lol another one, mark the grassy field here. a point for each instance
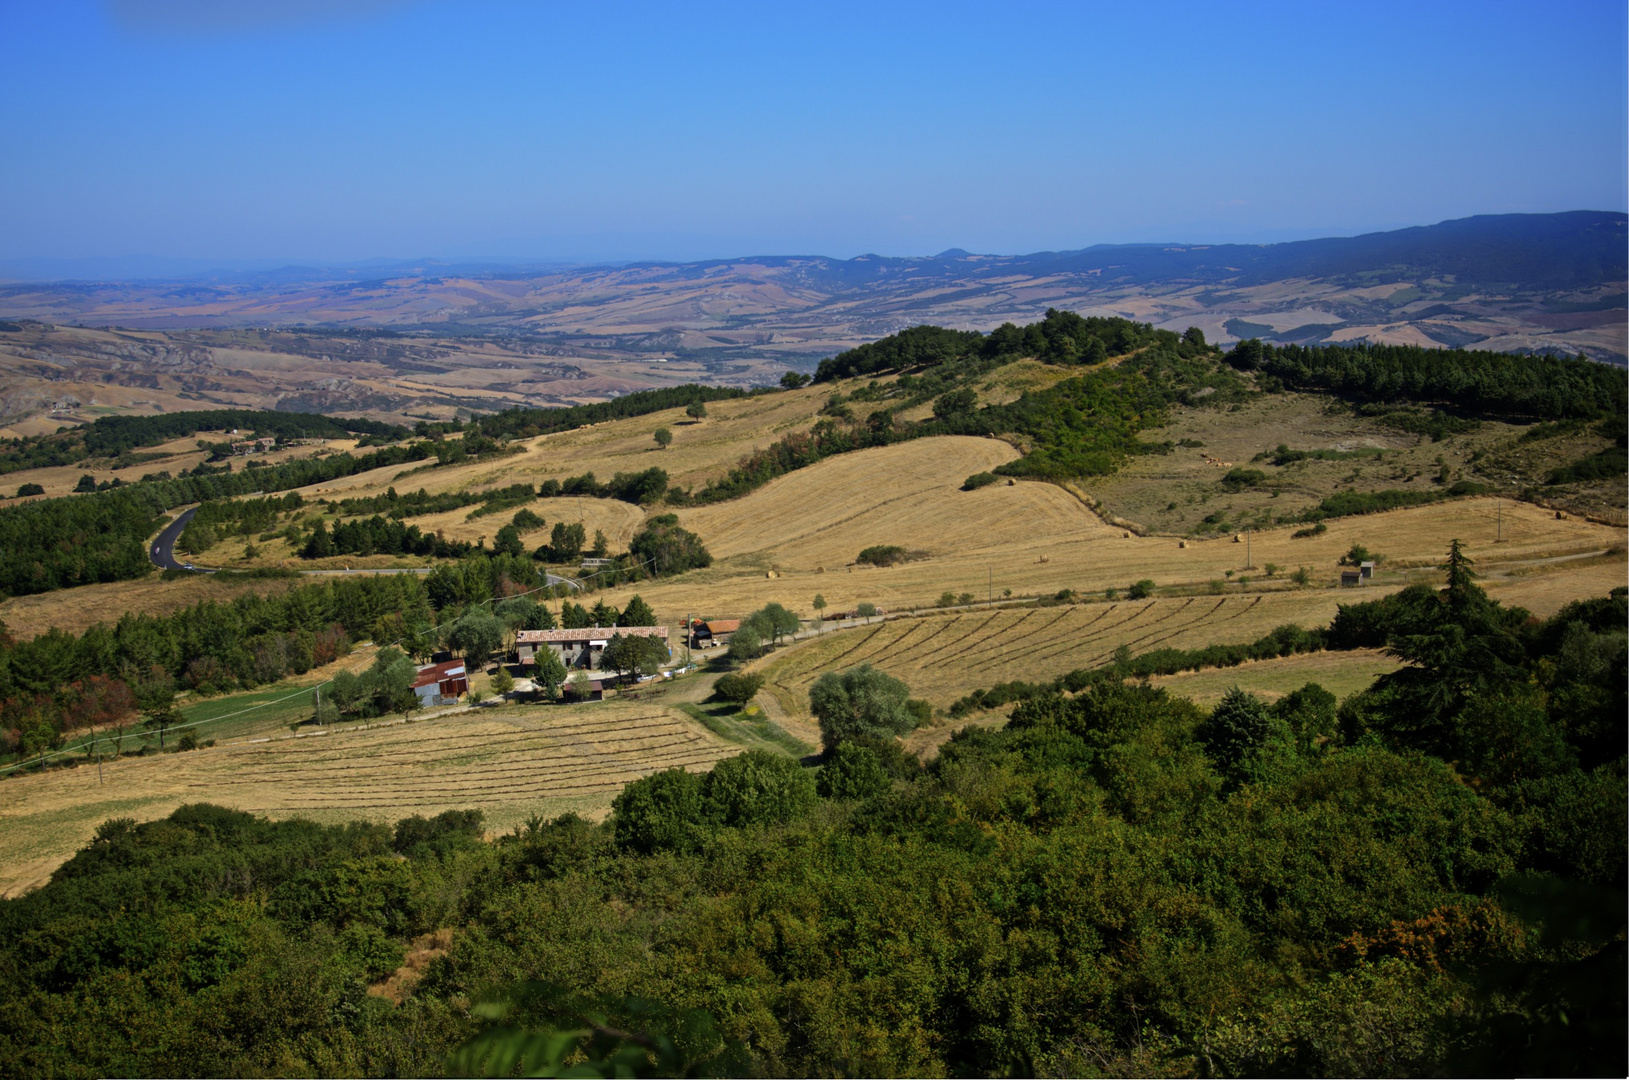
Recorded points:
(510, 763)
(1174, 492)
(1341, 673)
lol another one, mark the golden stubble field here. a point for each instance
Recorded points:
(1034, 539)
(509, 764)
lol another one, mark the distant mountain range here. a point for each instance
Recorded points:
(1514, 282)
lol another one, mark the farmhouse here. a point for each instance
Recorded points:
(704, 635)
(441, 684)
(581, 648)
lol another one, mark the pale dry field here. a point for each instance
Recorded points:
(943, 657)
(508, 764)
(1034, 540)
(75, 610)
(1341, 673)
(618, 520)
(701, 450)
(906, 494)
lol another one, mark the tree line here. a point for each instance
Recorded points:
(526, 423)
(1472, 381)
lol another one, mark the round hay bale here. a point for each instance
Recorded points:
(1182, 543)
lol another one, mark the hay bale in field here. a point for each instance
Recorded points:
(1238, 538)
(1126, 535)
(1182, 543)
(772, 573)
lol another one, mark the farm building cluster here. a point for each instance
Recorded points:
(582, 648)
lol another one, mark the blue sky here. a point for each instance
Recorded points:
(353, 129)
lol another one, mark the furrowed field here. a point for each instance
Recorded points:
(509, 764)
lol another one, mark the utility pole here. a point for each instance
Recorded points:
(1499, 522)
(98, 763)
(1248, 565)
(989, 585)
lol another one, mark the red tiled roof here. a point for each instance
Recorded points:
(722, 626)
(587, 633)
(436, 673)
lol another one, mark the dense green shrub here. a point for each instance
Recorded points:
(739, 688)
(861, 702)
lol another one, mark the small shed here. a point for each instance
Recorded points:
(1351, 577)
(704, 635)
(441, 684)
(593, 690)
(1366, 570)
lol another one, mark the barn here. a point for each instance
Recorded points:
(704, 635)
(441, 684)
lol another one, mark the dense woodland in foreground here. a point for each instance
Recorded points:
(1427, 879)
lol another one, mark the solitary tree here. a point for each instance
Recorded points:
(1356, 555)
(860, 703)
(696, 410)
(794, 380)
(630, 653)
(777, 621)
(507, 542)
(819, 606)
(663, 437)
(503, 682)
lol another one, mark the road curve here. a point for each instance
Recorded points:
(162, 553)
(163, 550)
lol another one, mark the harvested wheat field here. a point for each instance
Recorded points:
(510, 765)
(943, 657)
(1034, 539)
(908, 494)
(1341, 673)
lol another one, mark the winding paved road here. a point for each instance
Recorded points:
(163, 555)
(163, 550)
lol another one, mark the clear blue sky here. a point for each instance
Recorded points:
(349, 129)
